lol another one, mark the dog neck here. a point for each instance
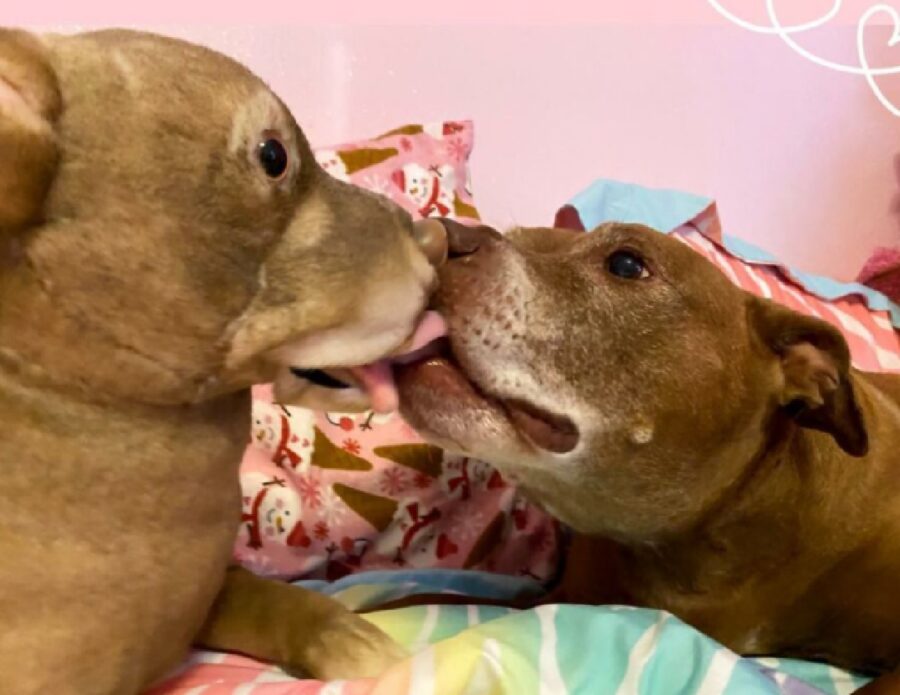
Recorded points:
(781, 507)
(47, 344)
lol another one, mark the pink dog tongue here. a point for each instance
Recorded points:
(377, 379)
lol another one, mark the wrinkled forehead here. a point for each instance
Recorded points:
(640, 236)
(543, 239)
(674, 261)
(547, 239)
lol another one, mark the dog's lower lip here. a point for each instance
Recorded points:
(436, 348)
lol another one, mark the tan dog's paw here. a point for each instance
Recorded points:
(347, 646)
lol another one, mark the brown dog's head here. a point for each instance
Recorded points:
(166, 234)
(619, 376)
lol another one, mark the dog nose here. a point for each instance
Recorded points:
(431, 236)
(464, 240)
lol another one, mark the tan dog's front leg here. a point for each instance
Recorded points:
(300, 630)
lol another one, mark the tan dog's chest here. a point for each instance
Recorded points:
(101, 526)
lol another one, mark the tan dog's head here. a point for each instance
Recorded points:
(166, 233)
(619, 376)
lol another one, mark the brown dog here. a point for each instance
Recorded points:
(166, 240)
(719, 455)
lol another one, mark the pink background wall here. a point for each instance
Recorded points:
(800, 158)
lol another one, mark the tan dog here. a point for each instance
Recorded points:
(721, 457)
(167, 240)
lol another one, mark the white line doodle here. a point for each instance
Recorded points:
(786, 31)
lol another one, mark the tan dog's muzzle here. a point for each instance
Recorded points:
(431, 236)
(372, 385)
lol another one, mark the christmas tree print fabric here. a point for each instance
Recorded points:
(329, 494)
(422, 168)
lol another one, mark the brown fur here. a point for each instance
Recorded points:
(150, 272)
(731, 467)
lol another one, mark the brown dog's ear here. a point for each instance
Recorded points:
(815, 364)
(29, 105)
(567, 217)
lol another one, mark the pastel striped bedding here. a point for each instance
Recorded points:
(581, 650)
(551, 650)
(874, 343)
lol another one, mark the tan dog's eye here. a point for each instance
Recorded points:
(627, 265)
(273, 157)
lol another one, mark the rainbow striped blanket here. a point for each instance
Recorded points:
(551, 650)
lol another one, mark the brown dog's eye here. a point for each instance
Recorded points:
(627, 265)
(273, 157)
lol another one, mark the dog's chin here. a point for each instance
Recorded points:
(441, 401)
